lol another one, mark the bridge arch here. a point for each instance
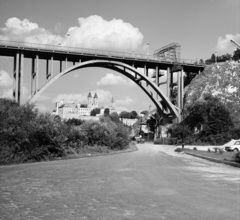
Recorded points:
(127, 70)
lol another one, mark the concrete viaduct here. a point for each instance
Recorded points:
(128, 64)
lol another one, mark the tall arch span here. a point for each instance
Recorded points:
(127, 70)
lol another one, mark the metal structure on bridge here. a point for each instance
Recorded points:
(170, 52)
(127, 64)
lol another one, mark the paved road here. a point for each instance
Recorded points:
(151, 183)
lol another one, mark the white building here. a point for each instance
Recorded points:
(69, 109)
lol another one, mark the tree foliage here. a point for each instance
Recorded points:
(27, 135)
(207, 121)
(95, 111)
(106, 111)
(130, 115)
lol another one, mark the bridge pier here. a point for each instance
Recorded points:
(157, 79)
(15, 76)
(34, 75)
(19, 65)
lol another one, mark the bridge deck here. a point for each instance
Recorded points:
(74, 54)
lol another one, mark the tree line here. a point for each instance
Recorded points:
(124, 114)
(26, 135)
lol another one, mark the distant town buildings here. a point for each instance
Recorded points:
(70, 109)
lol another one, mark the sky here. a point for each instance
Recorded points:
(200, 27)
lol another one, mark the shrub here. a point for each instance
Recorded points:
(178, 150)
(194, 148)
(27, 135)
(237, 157)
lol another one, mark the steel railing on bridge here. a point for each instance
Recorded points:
(85, 51)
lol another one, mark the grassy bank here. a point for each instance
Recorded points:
(215, 156)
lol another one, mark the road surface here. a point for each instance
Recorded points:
(151, 183)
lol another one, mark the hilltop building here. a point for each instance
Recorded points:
(69, 109)
(112, 106)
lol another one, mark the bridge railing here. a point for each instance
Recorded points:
(86, 51)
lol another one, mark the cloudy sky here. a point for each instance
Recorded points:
(201, 27)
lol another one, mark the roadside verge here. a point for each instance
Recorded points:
(231, 163)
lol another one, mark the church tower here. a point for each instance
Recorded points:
(95, 100)
(90, 100)
(111, 107)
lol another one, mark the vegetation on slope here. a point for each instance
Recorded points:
(212, 107)
(27, 135)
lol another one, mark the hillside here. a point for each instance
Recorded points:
(222, 80)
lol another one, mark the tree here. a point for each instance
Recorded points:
(74, 121)
(201, 62)
(106, 111)
(209, 117)
(95, 111)
(114, 117)
(134, 114)
(213, 58)
(125, 114)
(236, 55)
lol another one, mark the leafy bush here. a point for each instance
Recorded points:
(178, 150)
(207, 122)
(237, 157)
(27, 135)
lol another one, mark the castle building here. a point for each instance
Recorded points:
(69, 109)
(112, 106)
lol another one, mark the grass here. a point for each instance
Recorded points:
(98, 151)
(229, 156)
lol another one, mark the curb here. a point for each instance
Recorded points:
(214, 160)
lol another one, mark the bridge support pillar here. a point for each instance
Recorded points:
(20, 74)
(60, 69)
(168, 82)
(36, 79)
(146, 72)
(15, 76)
(33, 76)
(179, 95)
(157, 79)
(182, 89)
(66, 63)
(51, 72)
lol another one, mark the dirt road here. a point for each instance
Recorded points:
(151, 183)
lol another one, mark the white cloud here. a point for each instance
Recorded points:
(93, 32)
(80, 98)
(104, 97)
(112, 80)
(6, 90)
(7, 93)
(43, 97)
(5, 85)
(41, 107)
(5, 79)
(122, 108)
(127, 100)
(224, 44)
(26, 31)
